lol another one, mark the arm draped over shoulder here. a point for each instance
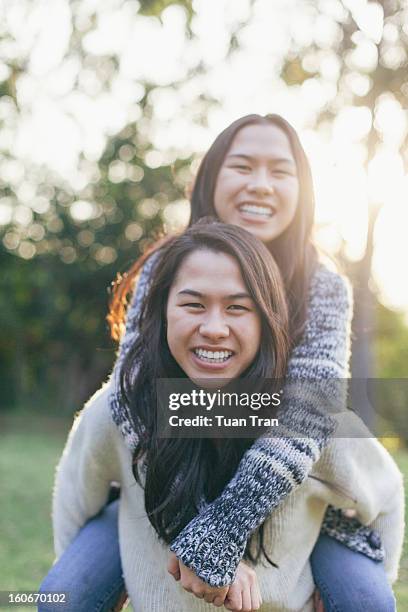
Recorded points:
(213, 543)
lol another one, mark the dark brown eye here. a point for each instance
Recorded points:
(241, 167)
(238, 307)
(193, 305)
(283, 172)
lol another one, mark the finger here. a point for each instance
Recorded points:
(259, 594)
(173, 566)
(121, 602)
(233, 600)
(246, 599)
(349, 513)
(316, 598)
(232, 607)
(208, 597)
(318, 602)
(320, 606)
(218, 601)
(220, 596)
(186, 583)
(210, 594)
(255, 596)
(197, 592)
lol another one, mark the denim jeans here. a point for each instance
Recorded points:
(90, 572)
(349, 581)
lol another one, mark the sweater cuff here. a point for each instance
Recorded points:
(354, 535)
(214, 559)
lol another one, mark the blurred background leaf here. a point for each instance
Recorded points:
(78, 203)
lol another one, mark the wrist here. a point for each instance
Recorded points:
(214, 559)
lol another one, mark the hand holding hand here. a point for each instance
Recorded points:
(193, 584)
(244, 594)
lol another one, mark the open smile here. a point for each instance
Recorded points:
(220, 356)
(210, 359)
(257, 210)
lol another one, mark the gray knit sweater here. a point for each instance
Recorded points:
(213, 543)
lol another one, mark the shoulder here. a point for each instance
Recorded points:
(143, 281)
(95, 419)
(150, 263)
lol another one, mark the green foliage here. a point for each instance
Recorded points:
(56, 349)
(389, 391)
(350, 38)
(57, 265)
(58, 262)
(391, 344)
(293, 72)
(54, 305)
(156, 7)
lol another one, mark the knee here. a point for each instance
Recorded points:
(54, 586)
(349, 581)
(373, 600)
(359, 598)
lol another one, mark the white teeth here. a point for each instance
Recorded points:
(257, 209)
(213, 356)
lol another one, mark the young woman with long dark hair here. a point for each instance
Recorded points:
(257, 176)
(216, 308)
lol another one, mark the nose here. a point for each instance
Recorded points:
(214, 326)
(260, 182)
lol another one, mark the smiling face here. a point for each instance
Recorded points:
(257, 186)
(213, 326)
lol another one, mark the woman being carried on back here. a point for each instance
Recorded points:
(256, 175)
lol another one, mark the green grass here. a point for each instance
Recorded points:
(401, 587)
(27, 463)
(28, 455)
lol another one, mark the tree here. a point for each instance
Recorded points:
(64, 240)
(366, 62)
(64, 248)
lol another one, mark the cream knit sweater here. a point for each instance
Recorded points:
(351, 473)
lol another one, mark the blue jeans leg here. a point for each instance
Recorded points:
(89, 570)
(349, 581)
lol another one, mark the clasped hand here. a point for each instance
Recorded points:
(242, 595)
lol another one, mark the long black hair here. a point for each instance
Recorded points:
(180, 473)
(293, 250)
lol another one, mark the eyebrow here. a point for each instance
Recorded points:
(232, 296)
(276, 160)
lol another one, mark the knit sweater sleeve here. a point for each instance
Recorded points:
(213, 543)
(120, 414)
(86, 469)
